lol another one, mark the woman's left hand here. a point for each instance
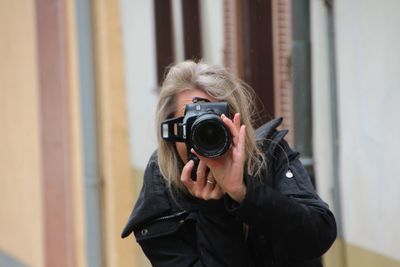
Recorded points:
(228, 169)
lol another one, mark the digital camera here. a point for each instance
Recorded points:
(201, 128)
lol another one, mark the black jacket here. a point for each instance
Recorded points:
(281, 221)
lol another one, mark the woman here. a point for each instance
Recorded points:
(253, 206)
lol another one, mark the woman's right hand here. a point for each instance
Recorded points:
(205, 186)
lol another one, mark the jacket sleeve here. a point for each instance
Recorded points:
(288, 212)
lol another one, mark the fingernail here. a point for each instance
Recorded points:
(223, 116)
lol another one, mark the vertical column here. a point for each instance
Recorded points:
(114, 163)
(75, 132)
(282, 40)
(54, 117)
(191, 29)
(212, 30)
(301, 68)
(88, 125)
(164, 36)
(232, 31)
(258, 54)
(325, 121)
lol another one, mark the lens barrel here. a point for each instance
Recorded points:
(209, 136)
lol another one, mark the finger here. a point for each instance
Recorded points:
(201, 175)
(236, 121)
(217, 192)
(211, 179)
(206, 194)
(232, 128)
(186, 176)
(242, 140)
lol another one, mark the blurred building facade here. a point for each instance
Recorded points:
(80, 80)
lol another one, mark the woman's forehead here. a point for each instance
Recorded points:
(186, 97)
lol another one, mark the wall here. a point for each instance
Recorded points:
(321, 102)
(367, 67)
(140, 77)
(138, 33)
(212, 27)
(368, 63)
(42, 208)
(325, 120)
(138, 42)
(20, 166)
(114, 160)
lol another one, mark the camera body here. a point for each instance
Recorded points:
(201, 128)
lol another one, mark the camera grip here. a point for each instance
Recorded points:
(196, 161)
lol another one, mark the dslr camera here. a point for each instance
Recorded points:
(201, 128)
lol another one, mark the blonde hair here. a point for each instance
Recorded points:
(218, 83)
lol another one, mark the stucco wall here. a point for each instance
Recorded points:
(368, 68)
(21, 228)
(140, 77)
(212, 27)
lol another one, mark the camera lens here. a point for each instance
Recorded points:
(209, 136)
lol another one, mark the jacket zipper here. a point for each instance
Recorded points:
(167, 217)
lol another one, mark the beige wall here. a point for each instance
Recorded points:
(21, 208)
(140, 258)
(140, 77)
(368, 81)
(115, 169)
(21, 227)
(343, 254)
(367, 64)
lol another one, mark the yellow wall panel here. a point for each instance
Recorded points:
(335, 257)
(21, 203)
(140, 258)
(343, 254)
(357, 256)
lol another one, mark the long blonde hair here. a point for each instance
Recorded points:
(218, 83)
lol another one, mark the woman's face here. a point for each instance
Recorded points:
(182, 100)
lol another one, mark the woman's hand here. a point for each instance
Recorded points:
(228, 169)
(205, 186)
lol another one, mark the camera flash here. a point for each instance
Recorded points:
(165, 132)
